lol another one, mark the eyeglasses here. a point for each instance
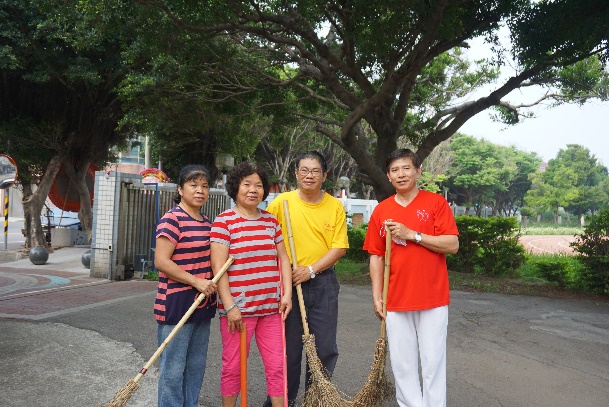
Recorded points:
(304, 171)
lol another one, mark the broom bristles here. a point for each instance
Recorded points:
(377, 388)
(321, 392)
(123, 395)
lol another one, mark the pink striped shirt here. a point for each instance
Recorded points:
(191, 239)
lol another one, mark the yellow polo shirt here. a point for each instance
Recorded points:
(316, 228)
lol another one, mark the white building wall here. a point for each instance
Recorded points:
(352, 206)
(105, 222)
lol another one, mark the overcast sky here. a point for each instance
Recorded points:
(552, 128)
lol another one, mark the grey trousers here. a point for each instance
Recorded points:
(321, 305)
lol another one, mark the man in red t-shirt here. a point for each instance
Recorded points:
(423, 230)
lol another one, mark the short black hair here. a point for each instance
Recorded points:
(402, 153)
(188, 173)
(313, 155)
(242, 170)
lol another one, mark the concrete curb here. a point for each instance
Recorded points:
(12, 256)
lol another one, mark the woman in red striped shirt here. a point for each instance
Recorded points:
(250, 290)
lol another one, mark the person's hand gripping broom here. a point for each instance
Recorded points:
(321, 392)
(377, 388)
(124, 394)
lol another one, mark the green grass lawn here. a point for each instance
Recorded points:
(526, 283)
(352, 272)
(551, 230)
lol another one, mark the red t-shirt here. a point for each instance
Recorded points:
(418, 277)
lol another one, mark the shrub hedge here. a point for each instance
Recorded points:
(593, 248)
(356, 237)
(487, 246)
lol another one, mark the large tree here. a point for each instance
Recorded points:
(59, 64)
(574, 180)
(487, 174)
(518, 166)
(477, 173)
(398, 65)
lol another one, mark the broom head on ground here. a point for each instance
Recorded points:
(124, 394)
(378, 388)
(320, 391)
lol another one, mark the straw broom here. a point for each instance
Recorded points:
(124, 394)
(321, 391)
(377, 388)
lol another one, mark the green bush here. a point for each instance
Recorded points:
(487, 245)
(565, 270)
(593, 248)
(526, 211)
(356, 242)
(551, 269)
(470, 229)
(503, 256)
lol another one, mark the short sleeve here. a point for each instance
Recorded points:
(340, 240)
(444, 220)
(169, 227)
(275, 208)
(219, 231)
(374, 242)
(278, 234)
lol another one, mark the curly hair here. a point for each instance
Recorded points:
(242, 170)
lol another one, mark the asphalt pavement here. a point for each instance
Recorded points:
(67, 339)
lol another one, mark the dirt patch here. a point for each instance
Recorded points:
(547, 244)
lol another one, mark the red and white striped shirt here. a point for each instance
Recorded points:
(254, 275)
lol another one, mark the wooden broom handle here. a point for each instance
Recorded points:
(182, 321)
(303, 313)
(386, 278)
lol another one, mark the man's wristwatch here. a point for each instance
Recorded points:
(418, 237)
(311, 271)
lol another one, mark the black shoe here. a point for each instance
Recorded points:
(267, 402)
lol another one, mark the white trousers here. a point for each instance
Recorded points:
(412, 335)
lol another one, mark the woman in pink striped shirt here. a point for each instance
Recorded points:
(182, 258)
(250, 291)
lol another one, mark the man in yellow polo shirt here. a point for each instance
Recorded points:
(319, 227)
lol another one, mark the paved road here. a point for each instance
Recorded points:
(77, 343)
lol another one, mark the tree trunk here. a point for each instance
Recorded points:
(388, 132)
(78, 178)
(34, 235)
(33, 202)
(367, 190)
